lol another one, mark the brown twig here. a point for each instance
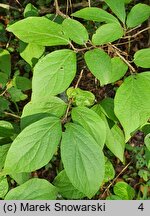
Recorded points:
(58, 10)
(8, 7)
(135, 35)
(103, 194)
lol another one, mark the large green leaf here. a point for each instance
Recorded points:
(75, 31)
(34, 189)
(132, 102)
(95, 14)
(6, 129)
(35, 110)
(5, 61)
(107, 33)
(3, 153)
(53, 73)
(92, 122)
(119, 68)
(34, 146)
(124, 191)
(3, 80)
(83, 159)
(99, 64)
(65, 188)
(115, 140)
(142, 58)
(138, 14)
(31, 53)
(118, 7)
(39, 30)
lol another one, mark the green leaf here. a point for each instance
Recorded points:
(80, 97)
(115, 140)
(5, 62)
(92, 122)
(4, 105)
(30, 10)
(6, 129)
(147, 141)
(107, 107)
(3, 186)
(56, 70)
(34, 146)
(107, 33)
(75, 31)
(83, 159)
(16, 95)
(119, 68)
(138, 14)
(142, 58)
(22, 83)
(109, 170)
(132, 102)
(3, 153)
(95, 14)
(99, 64)
(113, 197)
(21, 178)
(34, 110)
(124, 191)
(3, 80)
(39, 30)
(65, 188)
(31, 53)
(34, 189)
(118, 7)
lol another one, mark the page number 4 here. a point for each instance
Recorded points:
(141, 207)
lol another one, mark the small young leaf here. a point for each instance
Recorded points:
(3, 186)
(22, 83)
(118, 7)
(75, 31)
(83, 159)
(147, 141)
(99, 64)
(138, 14)
(31, 53)
(16, 95)
(109, 171)
(34, 146)
(124, 190)
(34, 110)
(80, 97)
(30, 11)
(4, 105)
(107, 33)
(39, 30)
(65, 188)
(119, 68)
(132, 102)
(95, 14)
(3, 152)
(53, 73)
(5, 62)
(6, 129)
(33, 189)
(142, 58)
(92, 122)
(3, 79)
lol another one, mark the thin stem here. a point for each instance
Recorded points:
(115, 179)
(13, 115)
(89, 1)
(58, 10)
(79, 79)
(8, 7)
(135, 35)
